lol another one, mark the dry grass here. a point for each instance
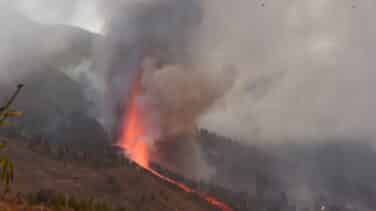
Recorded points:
(126, 186)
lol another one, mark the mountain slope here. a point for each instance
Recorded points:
(126, 186)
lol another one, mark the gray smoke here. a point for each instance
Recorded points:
(151, 43)
(322, 51)
(306, 75)
(155, 29)
(304, 69)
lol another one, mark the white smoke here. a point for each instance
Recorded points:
(321, 51)
(82, 13)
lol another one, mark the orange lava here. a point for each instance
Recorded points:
(220, 205)
(132, 140)
(132, 135)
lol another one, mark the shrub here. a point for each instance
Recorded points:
(7, 168)
(59, 201)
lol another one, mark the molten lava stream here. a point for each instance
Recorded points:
(132, 141)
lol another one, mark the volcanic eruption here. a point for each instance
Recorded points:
(134, 140)
(133, 131)
(157, 89)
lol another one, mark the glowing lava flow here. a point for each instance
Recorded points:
(131, 140)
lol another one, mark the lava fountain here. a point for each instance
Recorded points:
(132, 140)
(133, 131)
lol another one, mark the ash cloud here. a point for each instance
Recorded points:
(154, 40)
(180, 94)
(160, 29)
(304, 68)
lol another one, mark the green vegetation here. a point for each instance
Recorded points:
(100, 155)
(62, 202)
(7, 170)
(7, 167)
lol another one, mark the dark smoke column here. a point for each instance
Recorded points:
(160, 29)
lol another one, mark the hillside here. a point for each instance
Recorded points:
(57, 112)
(338, 174)
(124, 186)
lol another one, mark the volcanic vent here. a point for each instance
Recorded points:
(140, 147)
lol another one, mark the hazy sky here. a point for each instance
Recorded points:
(83, 13)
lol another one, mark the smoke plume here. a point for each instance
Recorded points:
(154, 40)
(299, 62)
(267, 73)
(305, 69)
